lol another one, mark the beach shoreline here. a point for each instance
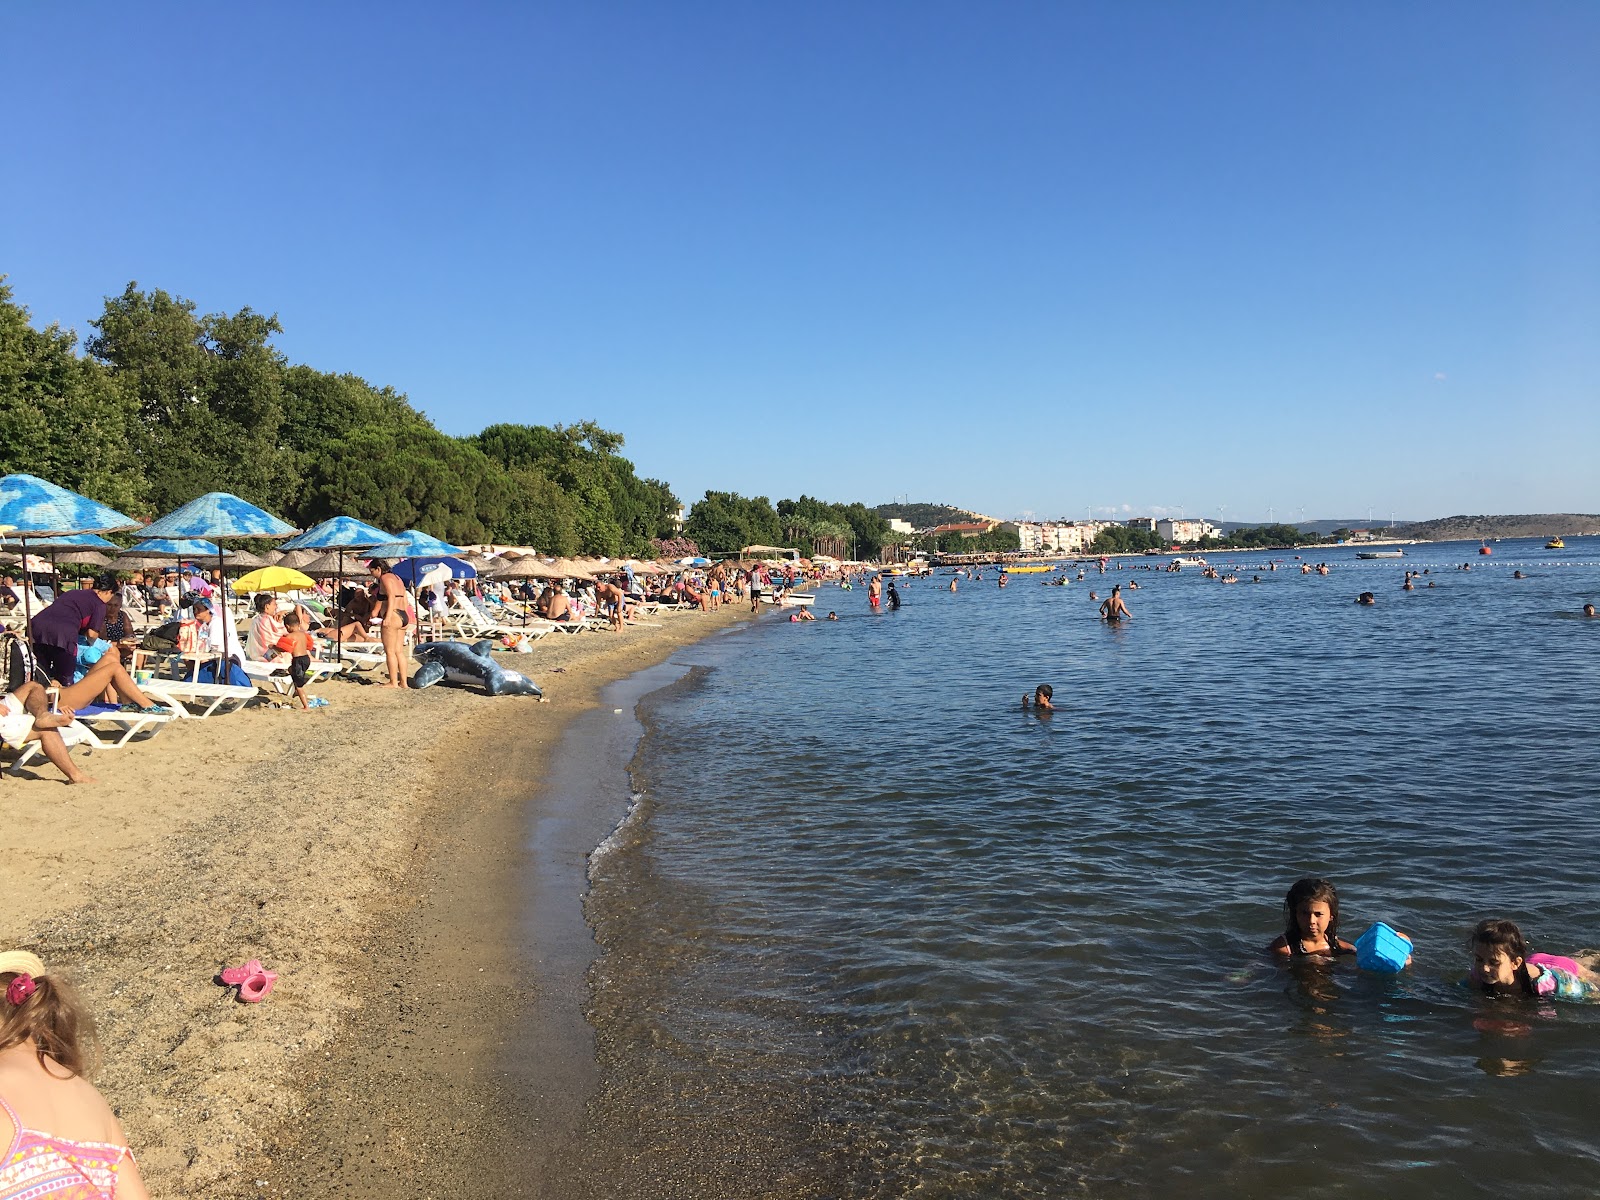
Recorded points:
(370, 853)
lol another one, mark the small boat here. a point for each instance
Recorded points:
(791, 600)
(1380, 553)
(1189, 562)
(1555, 543)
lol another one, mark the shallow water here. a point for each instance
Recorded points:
(873, 931)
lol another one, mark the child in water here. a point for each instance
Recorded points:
(1311, 922)
(1041, 698)
(1501, 964)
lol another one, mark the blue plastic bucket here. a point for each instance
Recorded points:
(1380, 948)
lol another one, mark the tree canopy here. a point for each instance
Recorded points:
(165, 403)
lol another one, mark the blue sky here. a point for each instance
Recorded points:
(1019, 257)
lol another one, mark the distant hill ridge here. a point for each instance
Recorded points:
(1448, 529)
(926, 516)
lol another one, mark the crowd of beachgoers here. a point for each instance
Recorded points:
(129, 649)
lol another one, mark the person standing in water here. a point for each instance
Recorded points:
(875, 592)
(1112, 608)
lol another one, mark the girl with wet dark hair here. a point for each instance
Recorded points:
(1310, 922)
(1501, 963)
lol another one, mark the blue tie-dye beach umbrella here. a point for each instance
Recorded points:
(340, 534)
(175, 548)
(219, 515)
(413, 543)
(33, 509)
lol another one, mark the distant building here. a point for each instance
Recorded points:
(1183, 531)
(1148, 524)
(1030, 537)
(965, 528)
(896, 525)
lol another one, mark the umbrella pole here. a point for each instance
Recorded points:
(223, 671)
(27, 593)
(338, 621)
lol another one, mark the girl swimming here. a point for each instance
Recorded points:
(63, 1138)
(1501, 964)
(1311, 922)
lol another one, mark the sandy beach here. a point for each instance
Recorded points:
(370, 854)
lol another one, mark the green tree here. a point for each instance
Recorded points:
(208, 392)
(408, 477)
(1120, 539)
(612, 510)
(61, 416)
(726, 522)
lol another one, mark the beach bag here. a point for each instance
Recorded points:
(236, 675)
(18, 662)
(188, 637)
(164, 638)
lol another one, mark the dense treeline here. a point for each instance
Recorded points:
(164, 404)
(726, 522)
(1120, 539)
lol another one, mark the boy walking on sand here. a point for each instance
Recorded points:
(297, 642)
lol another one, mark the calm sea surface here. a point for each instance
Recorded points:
(873, 931)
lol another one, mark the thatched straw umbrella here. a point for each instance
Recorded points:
(572, 569)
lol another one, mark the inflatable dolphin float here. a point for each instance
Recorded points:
(461, 663)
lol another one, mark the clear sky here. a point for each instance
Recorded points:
(1021, 257)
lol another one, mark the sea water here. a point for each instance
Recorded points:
(874, 931)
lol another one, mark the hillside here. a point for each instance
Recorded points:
(1449, 529)
(925, 516)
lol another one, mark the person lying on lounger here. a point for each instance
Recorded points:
(25, 717)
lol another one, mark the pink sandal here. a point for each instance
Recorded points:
(252, 979)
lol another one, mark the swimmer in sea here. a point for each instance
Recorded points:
(1501, 964)
(832, 616)
(1518, 575)
(1366, 598)
(1588, 609)
(1113, 609)
(1040, 700)
(1311, 922)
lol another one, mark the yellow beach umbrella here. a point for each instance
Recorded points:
(273, 579)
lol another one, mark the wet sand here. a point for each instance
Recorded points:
(375, 854)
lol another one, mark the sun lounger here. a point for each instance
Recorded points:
(76, 734)
(210, 699)
(272, 678)
(112, 728)
(98, 728)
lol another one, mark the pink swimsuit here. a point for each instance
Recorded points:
(39, 1166)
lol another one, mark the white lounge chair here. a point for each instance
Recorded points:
(272, 678)
(210, 699)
